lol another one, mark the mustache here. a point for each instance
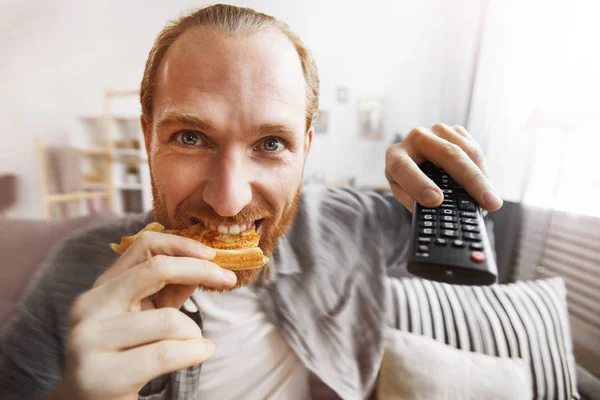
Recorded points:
(205, 213)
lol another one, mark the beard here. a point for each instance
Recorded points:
(272, 226)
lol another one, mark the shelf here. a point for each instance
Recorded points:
(129, 186)
(130, 161)
(94, 185)
(127, 152)
(94, 151)
(61, 198)
(121, 93)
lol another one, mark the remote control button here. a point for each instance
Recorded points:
(466, 205)
(427, 224)
(428, 211)
(449, 225)
(450, 202)
(470, 228)
(469, 221)
(441, 242)
(444, 176)
(449, 218)
(445, 181)
(423, 248)
(446, 211)
(471, 237)
(458, 243)
(428, 217)
(477, 256)
(448, 233)
(422, 254)
(468, 214)
(446, 205)
(427, 232)
(476, 246)
(425, 240)
(447, 191)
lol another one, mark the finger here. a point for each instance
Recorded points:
(139, 365)
(459, 165)
(174, 296)
(403, 197)
(403, 170)
(125, 292)
(463, 132)
(154, 274)
(127, 330)
(465, 143)
(149, 244)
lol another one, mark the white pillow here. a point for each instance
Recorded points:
(417, 367)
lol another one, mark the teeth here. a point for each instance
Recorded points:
(231, 230)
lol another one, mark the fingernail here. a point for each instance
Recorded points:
(430, 196)
(491, 199)
(228, 276)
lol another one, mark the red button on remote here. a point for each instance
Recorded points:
(477, 256)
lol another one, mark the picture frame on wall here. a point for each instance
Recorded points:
(371, 118)
(322, 122)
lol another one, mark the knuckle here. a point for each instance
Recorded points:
(474, 175)
(156, 263)
(417, 133)
(170, 320)
(79, 307)
(165, 354)
(452, 151)
(438, 126)
(397, 165)
(80, 338)
(143, 239)
(476, 154)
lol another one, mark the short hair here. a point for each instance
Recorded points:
(234, 20)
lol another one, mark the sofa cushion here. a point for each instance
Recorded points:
(24, 244)
(526, 320)
(418, 367)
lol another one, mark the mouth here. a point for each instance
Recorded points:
(228, 228)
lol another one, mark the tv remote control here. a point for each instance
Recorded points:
(449, 243)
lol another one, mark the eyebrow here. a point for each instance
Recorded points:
(179, 118)
(191, 120)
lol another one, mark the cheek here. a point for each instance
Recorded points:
(176, 177)
(278, 185)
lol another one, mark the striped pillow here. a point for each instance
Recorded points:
(525, 319)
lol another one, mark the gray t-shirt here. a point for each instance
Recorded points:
(327, 293)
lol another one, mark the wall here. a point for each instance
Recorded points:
(58, 57)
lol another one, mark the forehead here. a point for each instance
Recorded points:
(259, 73)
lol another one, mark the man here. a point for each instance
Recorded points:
(228, 101)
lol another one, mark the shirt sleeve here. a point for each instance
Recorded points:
(30, 346)
(378, 222)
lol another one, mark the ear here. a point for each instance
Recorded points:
(308, 141)
(147, 129)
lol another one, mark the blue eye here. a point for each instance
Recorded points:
(188, 138)
(272, 145)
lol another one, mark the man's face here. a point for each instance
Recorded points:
(228, 139)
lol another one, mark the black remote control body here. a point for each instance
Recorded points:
(449, 243)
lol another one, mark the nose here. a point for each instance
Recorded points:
(228, 189)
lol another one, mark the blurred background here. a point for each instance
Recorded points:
(521, 75)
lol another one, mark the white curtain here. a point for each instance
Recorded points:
(536, 110)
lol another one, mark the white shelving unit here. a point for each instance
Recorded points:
(115, 157)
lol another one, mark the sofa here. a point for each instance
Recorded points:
(25, 243)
